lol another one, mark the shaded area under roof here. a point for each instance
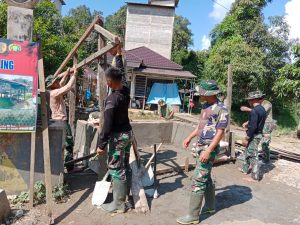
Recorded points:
(13, 83)
(167, 73)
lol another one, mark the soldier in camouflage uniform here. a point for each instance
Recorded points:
(117, 132)
(211, 128)
(166, 111)
(270, 125)
(255, 125)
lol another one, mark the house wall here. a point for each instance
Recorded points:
(150, 26)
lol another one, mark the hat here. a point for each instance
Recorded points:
(209, 88)
(255, 95)
(50, 80)
(161, 102)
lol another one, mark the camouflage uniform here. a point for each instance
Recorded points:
(251, 157)
(118, 155)
(165, 110)
(213, 117)
(268, 128)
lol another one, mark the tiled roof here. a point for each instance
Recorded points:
(153, 59)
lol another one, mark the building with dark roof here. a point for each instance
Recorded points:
(146, 67)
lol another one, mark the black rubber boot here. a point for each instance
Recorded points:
(119, 195)
(129, 203)
(194, 210)
(209, 197)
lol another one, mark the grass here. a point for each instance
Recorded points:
(143, 116)
(6, 103)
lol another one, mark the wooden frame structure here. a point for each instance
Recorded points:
(103, 48)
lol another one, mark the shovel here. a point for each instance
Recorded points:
(101, 190)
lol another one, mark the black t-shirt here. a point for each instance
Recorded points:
(116, 110)
(256, 122)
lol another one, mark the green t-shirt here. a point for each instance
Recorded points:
(165, 111)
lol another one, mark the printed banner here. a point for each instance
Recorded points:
(18, 86)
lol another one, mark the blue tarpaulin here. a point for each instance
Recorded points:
(168, 92)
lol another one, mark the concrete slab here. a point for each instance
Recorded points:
(4, 205)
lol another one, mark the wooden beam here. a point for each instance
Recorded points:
(102, 96)
(45, 132)
(111, 37)
(32, 169)
(152, 157)
(72, 100)
(228, 101)
(95, 56)
(76, 47)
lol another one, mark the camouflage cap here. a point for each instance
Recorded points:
(255, 95)
(161, 102)
(50, 80)
(209, 88)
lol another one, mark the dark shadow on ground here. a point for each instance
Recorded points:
(77, 182)
(230, 196)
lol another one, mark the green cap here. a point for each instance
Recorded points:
(161, 102)
(209, 88)
(50, 80)
(255, 95)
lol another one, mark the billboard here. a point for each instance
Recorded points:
(18, 86)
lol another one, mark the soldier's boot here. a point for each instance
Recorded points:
(256, 173)
(119, 195)
(209, 196)
(194, 209)
(129, 203)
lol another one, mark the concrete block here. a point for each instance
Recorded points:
(19, 23)
(4, 205)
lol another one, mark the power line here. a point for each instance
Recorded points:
(220, 5)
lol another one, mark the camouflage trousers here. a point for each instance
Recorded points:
(251, 157)
(69, 144)
(118, 155)
(265, 147)
(202, 173)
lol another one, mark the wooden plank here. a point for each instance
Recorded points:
(78, 44)
(152, 157)
(187, 164)
(102, 96)
(232, 144)
(95, 56)
(137, 189)
(45, 132)
(72, 100)
(32, 169)
(111, 37)
(228, 101)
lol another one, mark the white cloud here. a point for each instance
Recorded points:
(292, 17)
(205, 42)
(219, 9)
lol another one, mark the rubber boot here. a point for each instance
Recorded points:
(129, 203)
(119, 195)
(194, 210)
(256, 171)
(210, 198)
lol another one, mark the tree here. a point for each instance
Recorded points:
(256, 50)
(182, 35)
(3, 18)
(287, 86)
(116, 23)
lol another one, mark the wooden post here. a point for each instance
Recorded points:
(32, 168)
(228, 100)
(102, 97)
(46, 148)
(72, 100)
(232, 144)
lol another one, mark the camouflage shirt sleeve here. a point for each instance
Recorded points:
(222, 120)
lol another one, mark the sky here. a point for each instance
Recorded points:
(203, 14)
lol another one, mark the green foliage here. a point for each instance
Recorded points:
(39, 192)
(60, 192)
(182, 35)
(287, 86)
(6, 103)
(257, 51)
(21, 199)
(116, 23)
(3, 19)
